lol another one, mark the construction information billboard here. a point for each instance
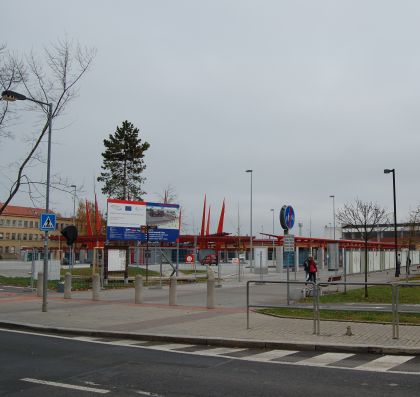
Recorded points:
(125, 219)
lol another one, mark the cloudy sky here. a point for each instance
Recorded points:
(316, 97)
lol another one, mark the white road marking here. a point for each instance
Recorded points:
(146, 393)
(325, 359)
(171, 346)
(66, 385)
(271, 355)
(380, 365)
(384, 363)
(126, 342)
(219, 351)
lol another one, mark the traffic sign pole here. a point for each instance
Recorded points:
(47, 223)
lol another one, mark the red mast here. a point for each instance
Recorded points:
(208, 222)
(203, 219)
(221, 219)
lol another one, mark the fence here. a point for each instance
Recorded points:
(395, 305)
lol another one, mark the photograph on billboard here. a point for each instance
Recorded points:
(166, 219)
(125, 219)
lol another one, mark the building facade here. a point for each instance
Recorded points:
(19, 230)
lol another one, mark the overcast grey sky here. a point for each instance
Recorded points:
(317, 97)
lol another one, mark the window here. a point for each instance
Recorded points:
(7, 222)
(36, 225)
(14, 222)
(13, 236)
(7, 236)
(12, 250)
(1, 236)
(31, 224)
(1, 222)
(30, 236)
(19, 236)
(20, 223)
(25, 223)
(25, 236)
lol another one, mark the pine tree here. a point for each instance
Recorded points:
(123, 164)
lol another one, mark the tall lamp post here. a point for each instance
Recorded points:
(397, 262)
(74, 223)
(272, 255)
(12, 96)
(333, 197)
(250, 236)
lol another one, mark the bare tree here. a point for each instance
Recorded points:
(53, 81)
(12, 72)
(412, 236)
(169, 195)
(366, 218)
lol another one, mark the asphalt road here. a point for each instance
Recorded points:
(35, 365)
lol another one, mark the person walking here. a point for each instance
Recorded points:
(306, 268)
(312, 269)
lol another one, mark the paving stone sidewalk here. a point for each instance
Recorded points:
(116, 313)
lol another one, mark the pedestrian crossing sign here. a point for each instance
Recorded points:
(47, 222)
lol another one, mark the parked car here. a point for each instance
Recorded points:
(210, 259)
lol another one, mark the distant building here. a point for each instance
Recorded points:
(407, 233)
(19, 230)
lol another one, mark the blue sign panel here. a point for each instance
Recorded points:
(127, 218)
(287, 217)
(47, 222)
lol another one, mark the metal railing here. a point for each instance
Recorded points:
(314, 289)
(316, 292)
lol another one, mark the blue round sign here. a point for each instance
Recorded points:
(287, 217)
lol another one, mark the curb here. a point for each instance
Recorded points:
(215, 341)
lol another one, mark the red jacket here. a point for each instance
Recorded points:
(312, 267)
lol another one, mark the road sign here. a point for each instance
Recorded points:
(287, 217)
(47, 222)
(289, 243)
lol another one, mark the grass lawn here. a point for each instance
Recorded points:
(16, 281)
(342, 315)
(376, 294)
(87, 272)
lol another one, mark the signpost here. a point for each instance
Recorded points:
(287, 220)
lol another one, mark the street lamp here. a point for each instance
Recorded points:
(250, 236)
(333, 197)
(272, 255)
(74, 223)
(12, 96)
(397, 262)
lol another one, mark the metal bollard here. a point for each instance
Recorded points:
(210, 289)
(172, 291)
(40, 284)
(138, 293)
(96, 286)
(67, 286)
